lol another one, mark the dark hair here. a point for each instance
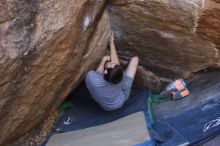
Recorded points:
(114, 75)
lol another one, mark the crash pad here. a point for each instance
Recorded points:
(214, 142)
(127, 131)
(176, 122)
(87, 113)
(194, 126)
(194, 119)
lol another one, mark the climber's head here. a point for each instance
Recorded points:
(113, 73)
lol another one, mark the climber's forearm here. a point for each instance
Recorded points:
(102, 64)
(101, 67)
(113, 52)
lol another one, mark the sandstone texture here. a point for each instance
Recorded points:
(173, 38)
(146, 79)
(46, 46)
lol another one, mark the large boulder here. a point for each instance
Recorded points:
(173, 38)
(46, 46)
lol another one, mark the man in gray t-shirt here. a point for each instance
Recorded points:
(109, 85)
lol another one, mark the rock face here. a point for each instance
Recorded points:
(45, 48)
(146, 79)
(173, 38)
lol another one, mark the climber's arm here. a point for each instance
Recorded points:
(132, 67)
(113, 53)
(102, 64)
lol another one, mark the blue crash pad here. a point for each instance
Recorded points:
(192, 125)
(87, 113)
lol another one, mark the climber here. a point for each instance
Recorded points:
(109, 85)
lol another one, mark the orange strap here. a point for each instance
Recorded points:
(179, 85)
(184, 93)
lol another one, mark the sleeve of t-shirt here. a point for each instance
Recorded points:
(94, 79)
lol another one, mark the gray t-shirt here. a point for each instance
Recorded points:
(109, 96)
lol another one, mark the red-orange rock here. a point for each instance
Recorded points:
(173, 38)
(45, 48)
(209, 23)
